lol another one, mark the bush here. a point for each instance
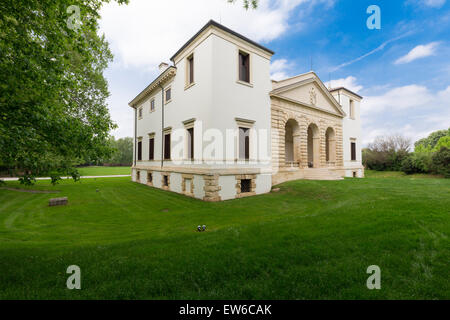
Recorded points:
(417, 163)
(441, 162)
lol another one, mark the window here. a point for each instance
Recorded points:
(244, 143)
(167, 147)
(152, 105)
(151, 152)
(149, 177)
(246, 185)
(190, 70)
(139, 151)
(352, 109)
(138, 176)
(140, 113)
(190, 143)
(353, 151)
(165, 181)
(168, 95)
(244, 67)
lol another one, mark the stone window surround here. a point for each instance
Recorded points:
(252, 178)
(185, 177)
(165, 94)
(353, 140)
(165, 174)
(154, 104)
(249, 124)
(188, 124)
(250, 82)
(149, 183)
(189, 84)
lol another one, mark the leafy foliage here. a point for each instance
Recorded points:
(430, 142)
(417, 162)
(386, 153)
(52, 90)
(441, 162)
(247, 3)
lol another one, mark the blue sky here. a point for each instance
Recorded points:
(402, 70)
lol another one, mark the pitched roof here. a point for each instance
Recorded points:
(222, 27)
(343, 88)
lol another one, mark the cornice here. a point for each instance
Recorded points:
(163, 78)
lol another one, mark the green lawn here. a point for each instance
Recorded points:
(103, 171)
(311, 240)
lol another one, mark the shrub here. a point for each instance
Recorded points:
(441, 162)
(417, 163)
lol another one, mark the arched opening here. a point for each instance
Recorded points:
(291, 142)
(313, 146)
(330, 145)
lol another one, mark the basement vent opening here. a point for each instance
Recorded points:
(246, 185)
(166, 181)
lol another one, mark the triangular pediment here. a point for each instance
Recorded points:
(310, 92)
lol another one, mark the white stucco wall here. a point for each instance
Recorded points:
(351, 129)
(199, 184)
(228, 187)
(263, 183)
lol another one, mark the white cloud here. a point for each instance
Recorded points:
(434, 3)
(144, 33)
(418, 52)
(279, 69)
(413, 111)
(349, 83)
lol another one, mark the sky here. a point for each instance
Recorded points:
(402, 69)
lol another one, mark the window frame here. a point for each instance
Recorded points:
(139, 150)
(152, 105)
(352, 109)
(353, 150)
(165, 95)
(140, 113)
(151, 147)
(167, 151)
(241, 52)
(244, 124)
(190, 71)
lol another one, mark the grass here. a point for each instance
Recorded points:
(311, 240)
(103, 171)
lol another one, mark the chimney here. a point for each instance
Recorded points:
(162, 67)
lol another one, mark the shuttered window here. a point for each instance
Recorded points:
(190, 140)
(353, 151)
(139, 151)
(244, 143)
(190, 62)
(244, 66)
(151, 150)
(167, 147)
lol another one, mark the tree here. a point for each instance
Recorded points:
(428, 143)
(52, 90)
(386, 153)
(247, 3)
(123, 154)
(441, 162)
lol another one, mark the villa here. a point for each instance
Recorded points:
(214, 126)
